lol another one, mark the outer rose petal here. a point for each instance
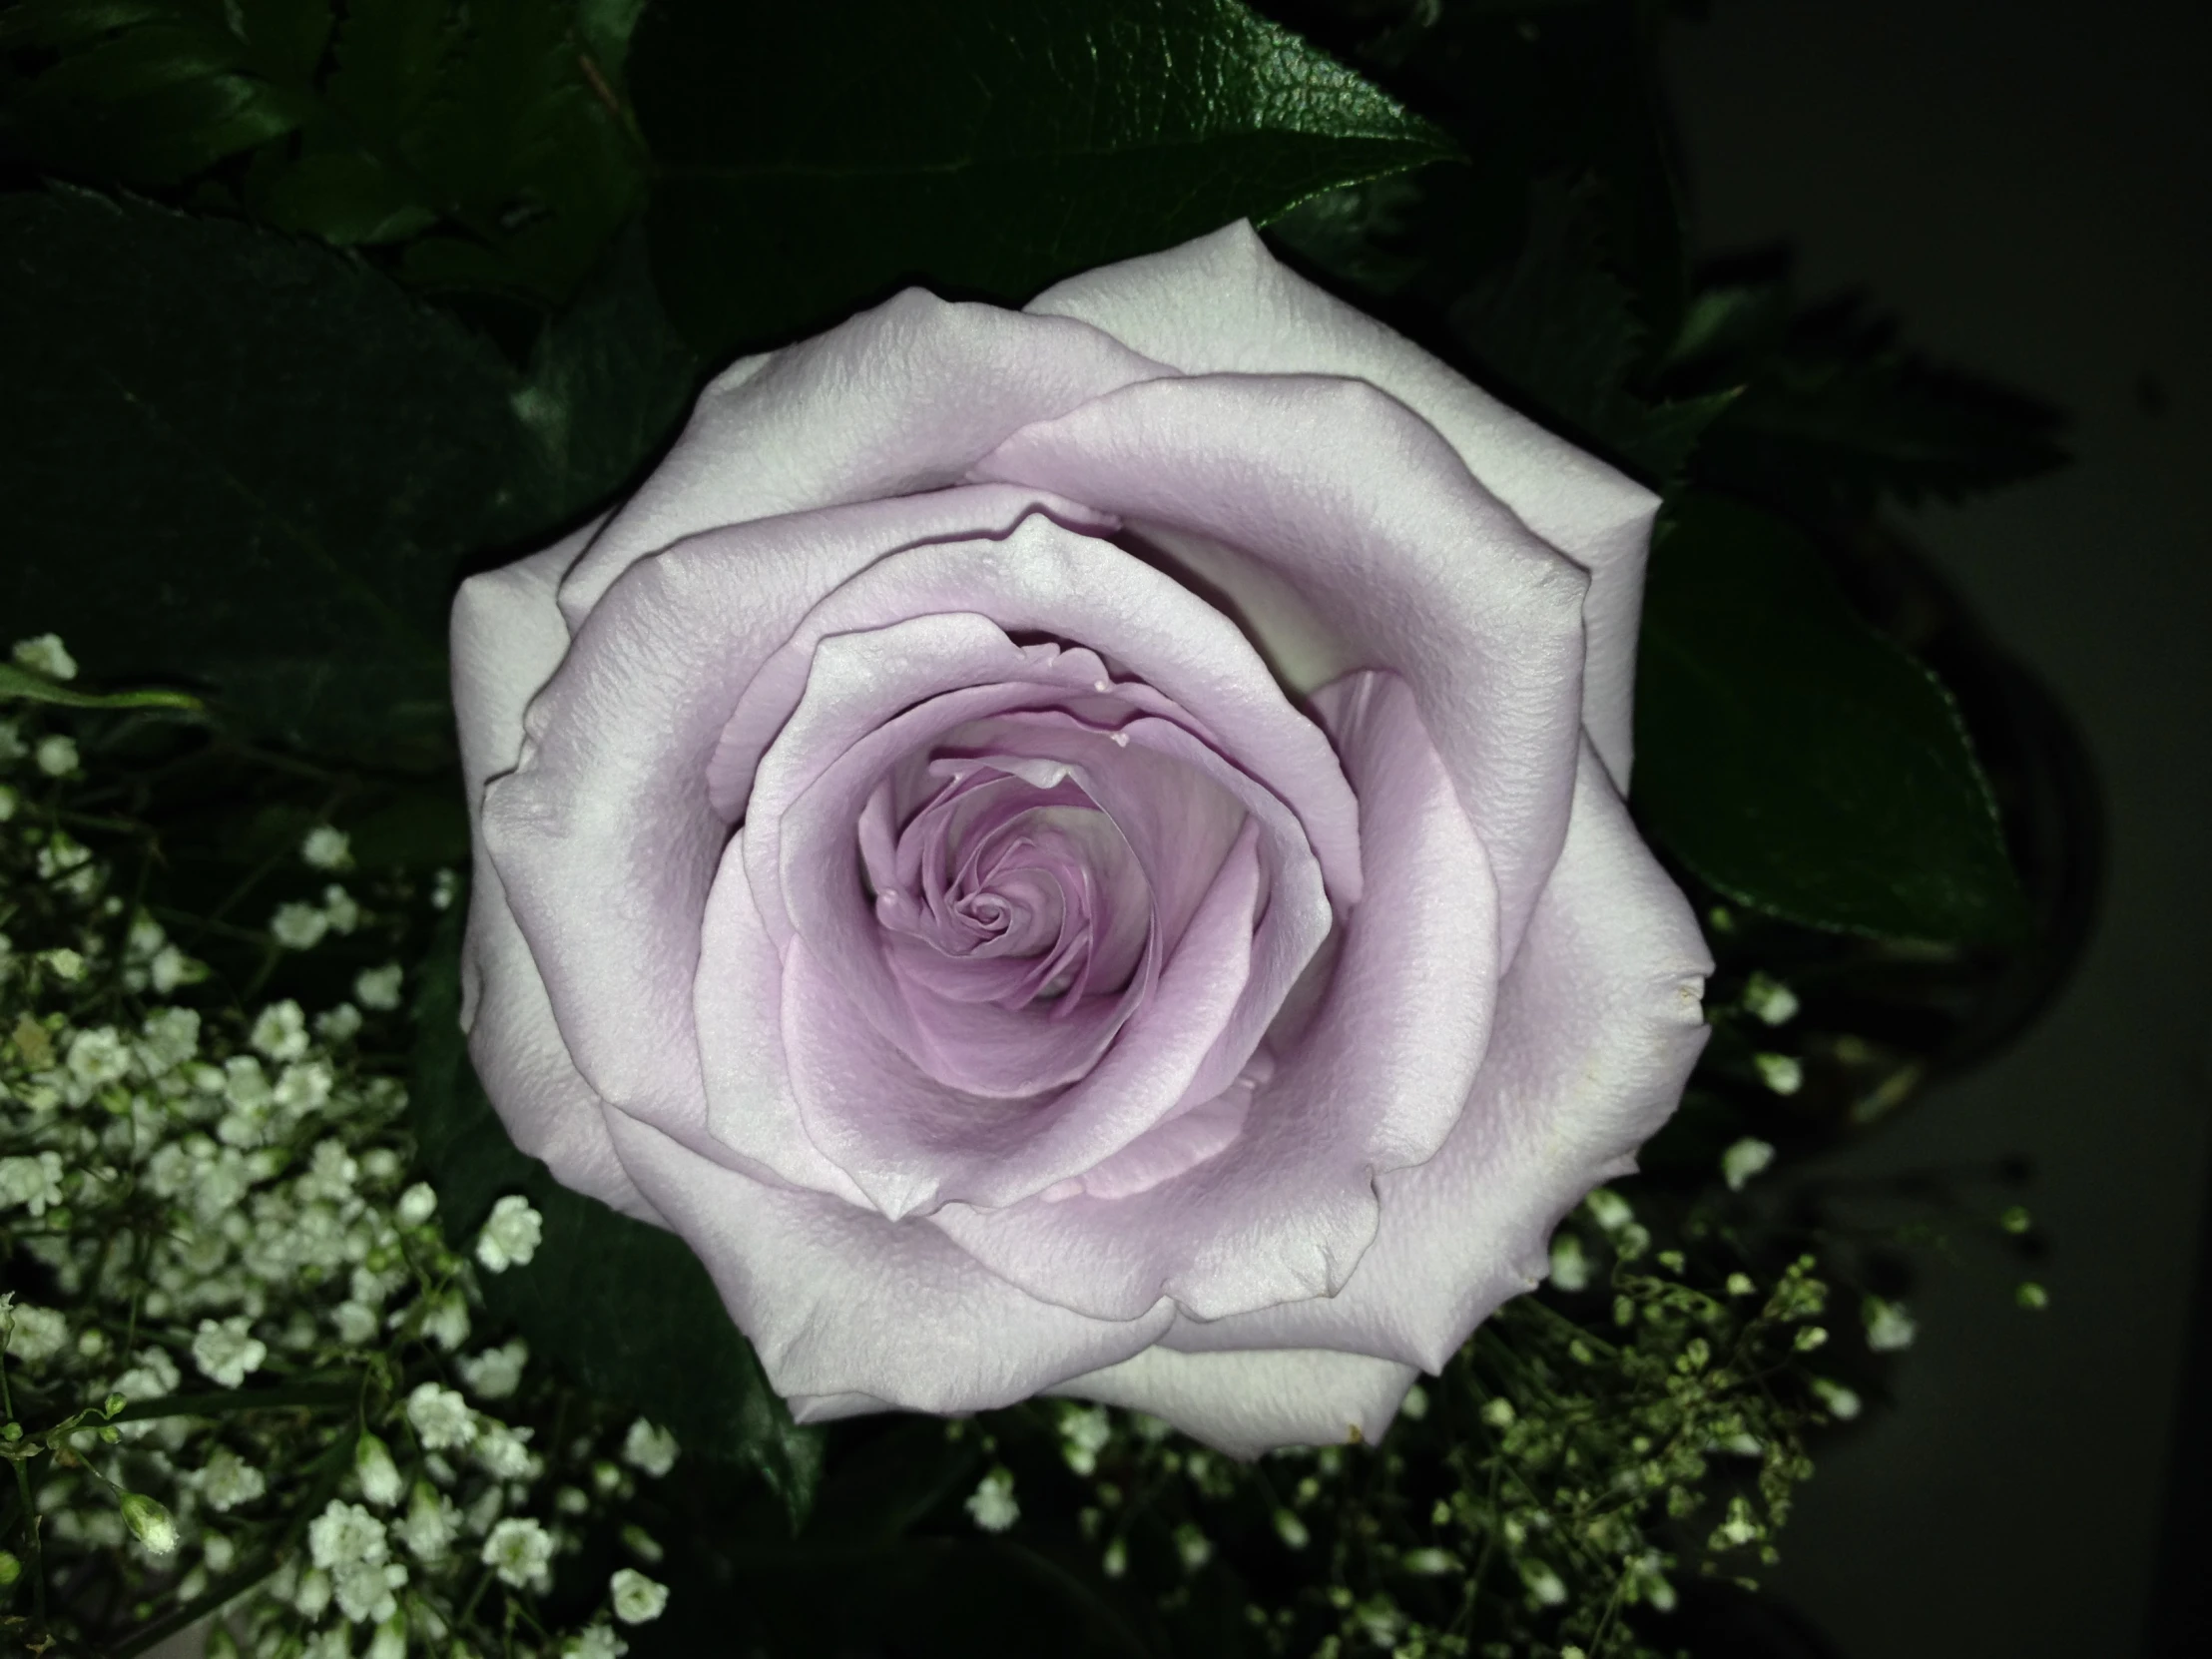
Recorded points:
(1356, 502)
(1598, 1025)
(839, 1302)
(896, 400)
(603, 833)
(1223, 305)
(1246, 1404)
(507, 640)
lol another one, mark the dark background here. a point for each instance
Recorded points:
(2028, 185)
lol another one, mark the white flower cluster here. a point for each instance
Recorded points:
(200, 1201)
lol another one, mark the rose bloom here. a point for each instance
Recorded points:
(1081, 850)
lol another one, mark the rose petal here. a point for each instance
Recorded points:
(1248, 1404)
(603, 833)
(507, 640)
(1375, 1081)
(896, 401)
(1598, 1025)
(1050, 579)
(839, 1302)
(1358, 503)
(1223, 305)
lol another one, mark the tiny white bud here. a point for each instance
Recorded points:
(637, 1598)
(1770, 1000)
(298, 926)
(649, 1449)
(1745, 1159)
(45, 654)
(379, 988)
(1292, 1530)
(417, 1204)
(510, 1236)
(57, 756)
(1780, 1072)
(377, 1474)
(1889, 1326)
(991, 1505)
(1570, 1267)
(150, 1523)
(325, 848)
(1843, 1403)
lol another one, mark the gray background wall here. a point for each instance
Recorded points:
(2029, 183)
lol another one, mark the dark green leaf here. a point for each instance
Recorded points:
(608, 385)
(625, 1309)
(985, 145)
(1795, 760)
(1558, 327)
(1835, 414)
(345, 196)
(36, 688)
(237, 458)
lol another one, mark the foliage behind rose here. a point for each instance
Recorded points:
(1082, 851)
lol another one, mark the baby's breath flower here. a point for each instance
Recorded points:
(1570, 1267)
(504, 1453)
(1745, 1159)
(340, 909)
(281, 1031)
(511, 1234)
(339, 1024)
(446, 1321)
(379, 988)
(33, 1180)
(229, 1480)
(520, 1552)
(431, 1524)
(64, 963)
(55, 756)
(390, 1640)
(298, 926)
(1084, 1431)
(637, 1599)
(99, 1056)
(35, 1334)
(345, 1535)
(441, 1418)
(326, 847)
(497, 1372)
(171, 968)
(417, 1204)
(649, 1449)
(168, 1038)
(1609, 1209)
(594, 1641)
(991, 1505)
(45, 654)
(151, 1523)
(226, 1350)
(1889, 1326)
(1782, 1073)
(1770, 1000)
(377, 1474)
(1841, 1402)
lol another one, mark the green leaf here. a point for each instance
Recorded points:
(811, 158)
(609, 386)
(623, 1309)
(1558, 327)
(1795, 760)
(36, 688)
(1835, 414)
(244, 461)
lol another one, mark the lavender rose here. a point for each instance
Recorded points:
(1081, 852)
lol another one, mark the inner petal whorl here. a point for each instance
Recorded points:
(1008, 888)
